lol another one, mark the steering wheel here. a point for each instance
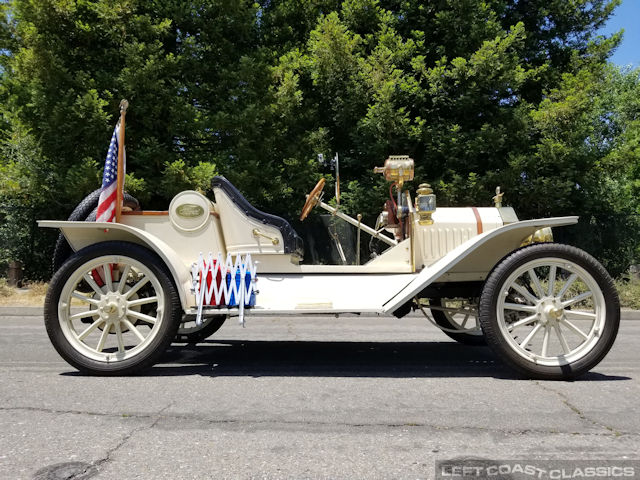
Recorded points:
(312, 199)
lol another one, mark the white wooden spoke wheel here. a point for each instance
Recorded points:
(551, 311)
(111, 308)
(458, 318)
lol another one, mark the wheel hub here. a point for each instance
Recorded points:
(549, 310)
(112, 307)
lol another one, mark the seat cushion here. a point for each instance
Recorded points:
(292, 243)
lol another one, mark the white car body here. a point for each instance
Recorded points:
(462, 244)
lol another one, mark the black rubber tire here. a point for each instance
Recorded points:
(206, 330)
(442, 320)
(127, 201)
(63, 250)
(83, 212)
(494, 285)
(155, 349)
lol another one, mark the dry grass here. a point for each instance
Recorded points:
(31, 295)
(629, 292)
(5, 289)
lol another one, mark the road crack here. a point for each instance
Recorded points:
(409, 425)
(567, 402)
(54, 411)
(156, 417)
(97, 464)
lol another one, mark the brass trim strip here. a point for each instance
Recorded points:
(146, 212)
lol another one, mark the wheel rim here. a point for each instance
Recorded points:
(124, 302)
(551, 311)
(461, 314)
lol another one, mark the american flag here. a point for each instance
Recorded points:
(107, 202)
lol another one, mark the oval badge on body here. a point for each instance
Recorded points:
(189, 210)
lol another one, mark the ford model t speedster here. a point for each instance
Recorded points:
(129, 287)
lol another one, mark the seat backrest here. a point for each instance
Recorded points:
(249, 230)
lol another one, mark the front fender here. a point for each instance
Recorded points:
(477, 256)
(82, 234)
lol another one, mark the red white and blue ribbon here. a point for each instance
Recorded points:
(231, 284)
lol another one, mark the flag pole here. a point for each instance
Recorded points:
(120, 180)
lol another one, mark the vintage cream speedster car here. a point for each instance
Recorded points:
(128, 288)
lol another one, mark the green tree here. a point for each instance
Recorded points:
(479, 93)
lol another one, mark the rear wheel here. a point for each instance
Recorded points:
(550, 311)
(112, 309)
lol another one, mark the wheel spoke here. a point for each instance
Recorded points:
(464, 322)
(142, 301)
(581, 314)
(119, 337)
(123, 277)
(525, 293)
(563, 341)
(134, 329)
(519, 308)
(524, 321)
(108, 280)
(573, 328)
(552, 280)
(84, 298)
(88, 313)
(92, 283)
(532, 334)
(545, 341)
(141, 283)
(90, 329)
(576, 299)
(536, 283)
(572, 278)
(141, 316)
(103, 338)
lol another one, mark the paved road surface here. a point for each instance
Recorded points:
(304, 398)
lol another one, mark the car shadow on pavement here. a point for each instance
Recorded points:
(337, 359)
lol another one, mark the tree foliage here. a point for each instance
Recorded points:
(479, 93)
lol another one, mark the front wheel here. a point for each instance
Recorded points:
(112, 309)
(550, 311)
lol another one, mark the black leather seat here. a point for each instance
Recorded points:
(293, 244)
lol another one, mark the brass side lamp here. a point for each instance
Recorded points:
(425, 204)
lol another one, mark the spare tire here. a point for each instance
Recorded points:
(84, 211)
(127, 201)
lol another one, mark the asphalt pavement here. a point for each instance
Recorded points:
(293, 397)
